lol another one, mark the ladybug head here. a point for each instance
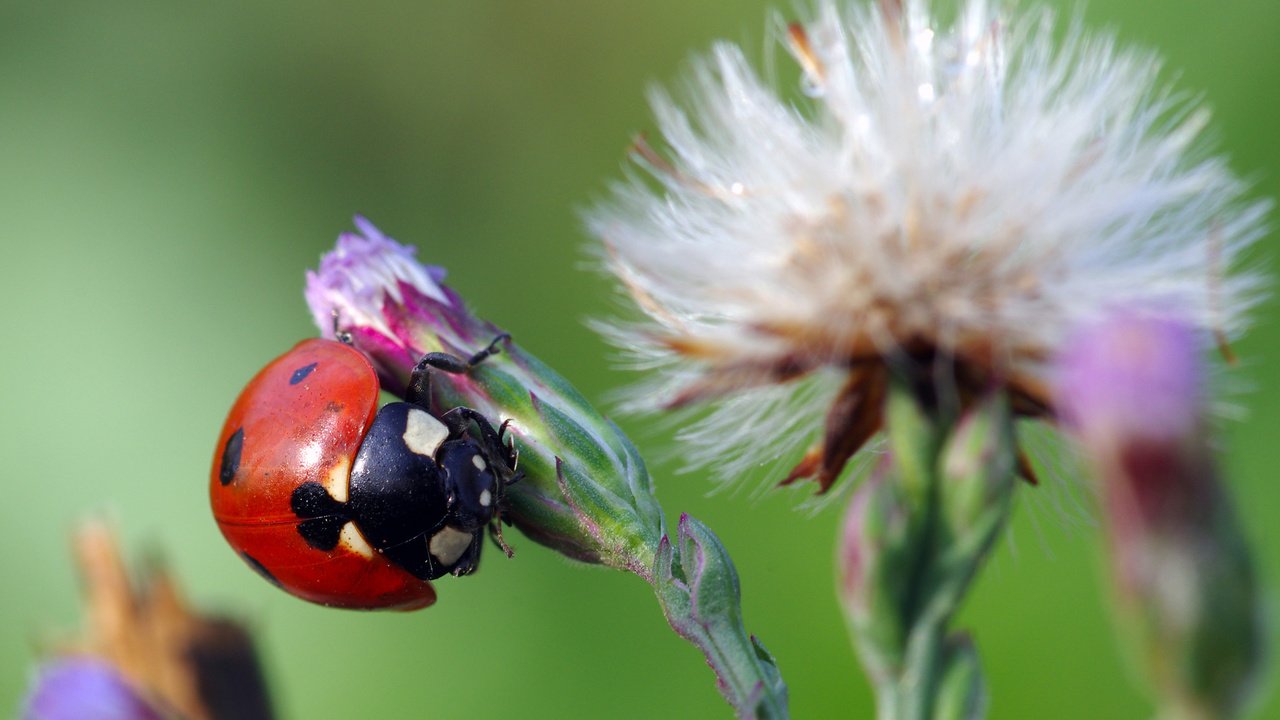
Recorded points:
(476, 475)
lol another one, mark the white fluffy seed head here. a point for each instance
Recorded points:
(976, 189)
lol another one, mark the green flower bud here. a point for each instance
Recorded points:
(700, 592)
(585, 491)
(975, 490)
(962, 693)
(916, 533)
(876, 547)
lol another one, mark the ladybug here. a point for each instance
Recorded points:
(344, 504)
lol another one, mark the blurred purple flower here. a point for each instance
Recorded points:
(84, 689)
(1132, 391)
(1132, 376)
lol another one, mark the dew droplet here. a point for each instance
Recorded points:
(812, 86)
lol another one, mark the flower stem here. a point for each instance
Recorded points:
(697, 586)
(916, 535)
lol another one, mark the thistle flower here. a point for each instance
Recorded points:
(1131, 389)
(951, 198)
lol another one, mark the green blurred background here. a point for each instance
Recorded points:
(167, 172)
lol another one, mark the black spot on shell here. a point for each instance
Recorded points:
(322, 533)
(231, 457)
(260, 568)
(301, 373)
(323, 517)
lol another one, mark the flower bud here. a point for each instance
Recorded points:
(699, 588)
(1131, 389)
(874, 557)
(915, 534)
(962, 693)
(585, 491)
(975, 488)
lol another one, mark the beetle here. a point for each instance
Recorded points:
(344, 504)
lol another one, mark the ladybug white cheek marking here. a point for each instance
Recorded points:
(424, 434)
(485, 498)
(478, 462)
(449, 544)
(338, 480)
(352, 540)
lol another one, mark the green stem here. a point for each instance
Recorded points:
(697, 586)
(927, 526)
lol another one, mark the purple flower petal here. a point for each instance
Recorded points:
(1133, 374)
(361, 272)
(84, 689)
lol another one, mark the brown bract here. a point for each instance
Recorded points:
(197, 666)
(856, 413)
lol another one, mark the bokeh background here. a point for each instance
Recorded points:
(167, 172)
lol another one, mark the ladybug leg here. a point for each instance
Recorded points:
(495, 534)
(459, 421)
(490, 349)
(469, 560)
(339, 334)
(420, 380)
(512, 451)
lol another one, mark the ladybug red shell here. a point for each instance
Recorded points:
(344, 504)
